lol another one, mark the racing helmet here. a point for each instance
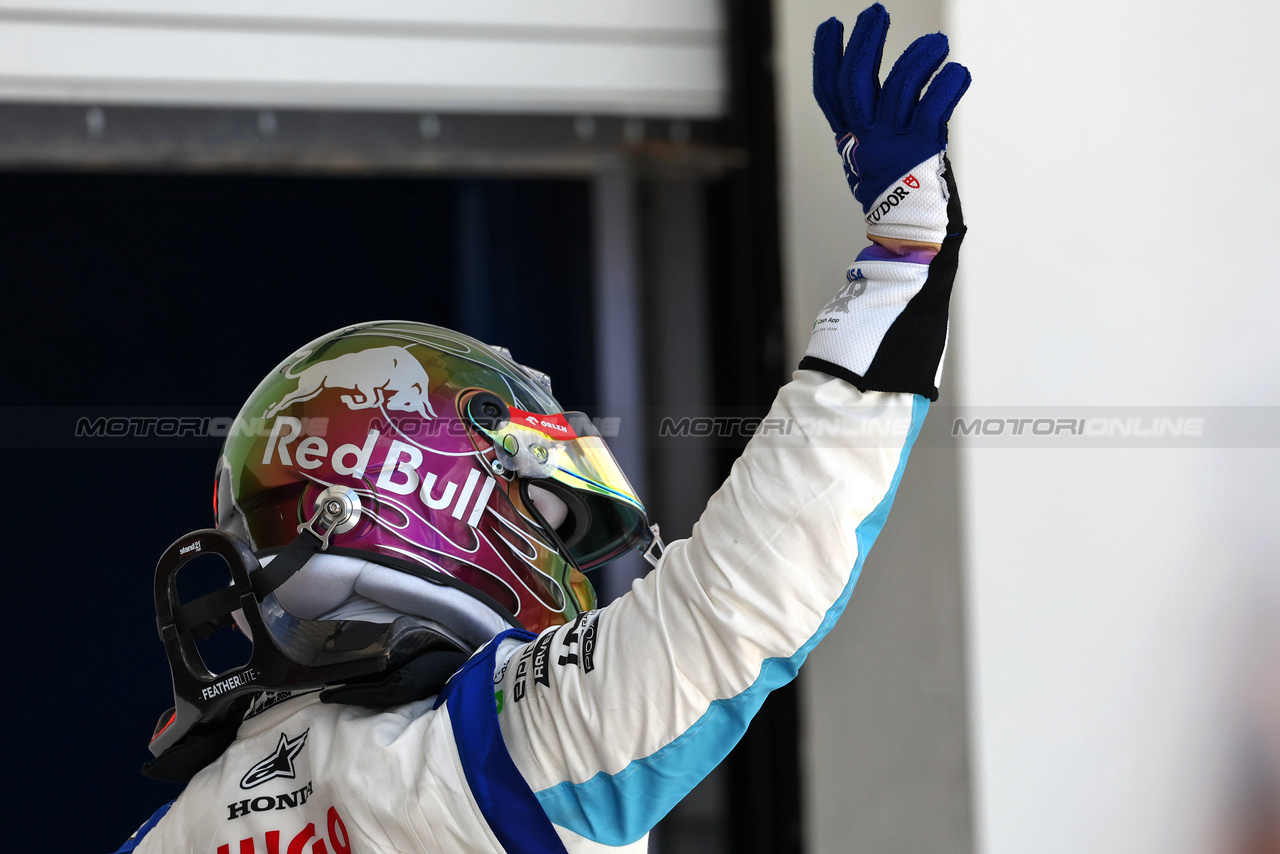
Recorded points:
(391, 492)
(458, 458)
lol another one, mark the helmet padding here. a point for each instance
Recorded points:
(340, 587)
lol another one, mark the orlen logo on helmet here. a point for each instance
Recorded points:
(388, 376)
(552, 425)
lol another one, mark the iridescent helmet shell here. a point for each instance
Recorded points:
(389, 410)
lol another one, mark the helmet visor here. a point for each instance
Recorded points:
(567, 450)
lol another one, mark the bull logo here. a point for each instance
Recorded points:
(388, 376)
(854, 288)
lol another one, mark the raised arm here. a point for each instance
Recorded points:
(613, 719)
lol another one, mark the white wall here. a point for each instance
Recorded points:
(1123, 604)
(639, 57)
(885, 736)
(1116, 163)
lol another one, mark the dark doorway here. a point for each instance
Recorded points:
(123, 290)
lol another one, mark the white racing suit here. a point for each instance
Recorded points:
(582, 739)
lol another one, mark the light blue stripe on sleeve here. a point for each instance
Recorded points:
(618, 809)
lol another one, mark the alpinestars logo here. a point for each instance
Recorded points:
(279, 764)
(848, 145)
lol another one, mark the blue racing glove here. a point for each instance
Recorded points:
(892, 139)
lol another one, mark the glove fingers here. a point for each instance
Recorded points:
(909, 74)
(860, 70)
(944, 93)
(828, 45)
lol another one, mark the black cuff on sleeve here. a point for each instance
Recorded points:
(813, 363)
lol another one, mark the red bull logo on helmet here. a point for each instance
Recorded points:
(375, 408)
(399, 473)
(378, 377)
